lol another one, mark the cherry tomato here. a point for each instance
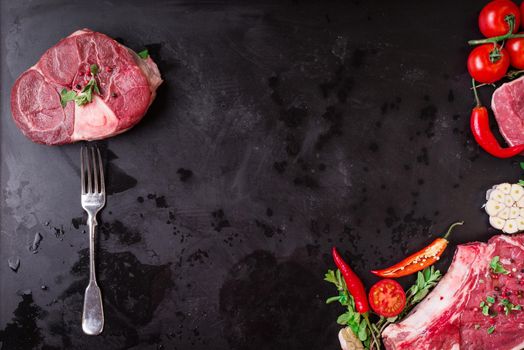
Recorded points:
(515, 48)
(387, 298)
(521, 9)
(492, 18)
(488, 63)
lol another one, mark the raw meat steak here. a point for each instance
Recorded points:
(508, 105)
(127, 85)
(450, 318)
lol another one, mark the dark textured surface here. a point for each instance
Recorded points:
(282, 128)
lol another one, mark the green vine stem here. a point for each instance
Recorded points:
(477, 99)
(512, 74)
(510, 19)
(374, 341)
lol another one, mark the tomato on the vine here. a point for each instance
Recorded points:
(387, 298)
(521, 10)
(493, 18)
(488, 63)
(515, 48)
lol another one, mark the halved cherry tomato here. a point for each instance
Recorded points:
(515, 49)
(493, 18)
(387, 298)
(488, 63)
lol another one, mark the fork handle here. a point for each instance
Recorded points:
(93, 314)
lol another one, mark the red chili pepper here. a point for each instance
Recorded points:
(481, 131)
(353, 283)
(420, 260)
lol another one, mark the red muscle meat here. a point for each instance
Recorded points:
(508, 105)
(450, 318)
(127, 85)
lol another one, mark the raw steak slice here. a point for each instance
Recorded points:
(508, 105)
(449, 318)
(127, 86)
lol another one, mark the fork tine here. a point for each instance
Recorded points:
(95, 172)
(101, 170)
(82, 171)
(89, 173)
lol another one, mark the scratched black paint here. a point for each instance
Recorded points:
(282, 129)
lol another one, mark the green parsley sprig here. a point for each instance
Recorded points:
(84, 96)
(144, 54)
(485, 306)
(496, 267)
(426, 280)
(508, 306)
(351, 317)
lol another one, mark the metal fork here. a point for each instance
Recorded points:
(93, 199)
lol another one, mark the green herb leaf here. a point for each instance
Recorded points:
(343, 319)
(66, 96)
(508, 306)
(421, 281)
(426, 279)
(95, 88)
(491, 329)
(362, 331)
(94, 69)
(343, 298)
(490, 299)
(482, 303)
(485, 310)
(86, 95)
(522, 165)
(521, 182)
(427, 273)
(436, 275)
(340, 282)
(496, 266)
(412, 290)
(332, 299)
(330, 277)
(143, 54)
(420, 295)
(356, 317)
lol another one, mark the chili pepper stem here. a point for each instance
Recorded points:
(477, 99)
(508, 35)
(451, 228)
(375, 341)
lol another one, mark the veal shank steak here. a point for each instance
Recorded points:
(127, 86)
(508, 106)
(450, 317)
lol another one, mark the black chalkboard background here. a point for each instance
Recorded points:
(282, 128)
